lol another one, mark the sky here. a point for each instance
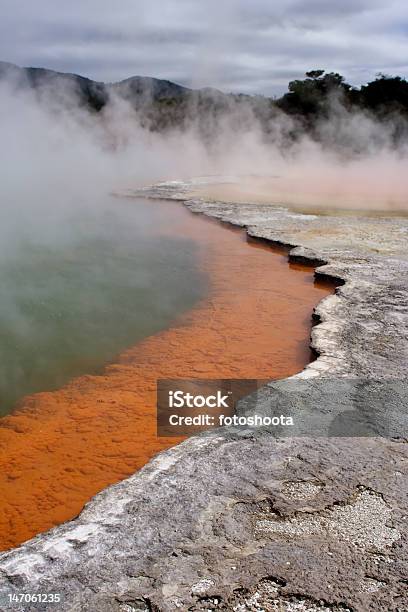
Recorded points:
(249, 46)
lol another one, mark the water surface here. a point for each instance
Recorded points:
(72, 301)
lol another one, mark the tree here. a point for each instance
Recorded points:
(313, 95)
(385, 94)
(315, 74)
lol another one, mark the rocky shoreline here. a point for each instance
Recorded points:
(241, 520)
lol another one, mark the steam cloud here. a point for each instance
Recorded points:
(56, 156)
(60, 162)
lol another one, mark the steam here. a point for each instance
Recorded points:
(82, 273)
(59, 163)
(58, 158)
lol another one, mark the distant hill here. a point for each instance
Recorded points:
(136, 90)
(163, 105)
(90, 93)
(156, 88)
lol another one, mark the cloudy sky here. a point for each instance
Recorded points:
(253, 46)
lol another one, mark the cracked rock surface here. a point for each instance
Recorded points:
(241, 520)
(213, 524)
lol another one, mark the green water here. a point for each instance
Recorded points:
(75, 293)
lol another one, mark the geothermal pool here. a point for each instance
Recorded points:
(139, 290)
(71, 302)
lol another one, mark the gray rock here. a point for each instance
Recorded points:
(215, 519)
(239, 519)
